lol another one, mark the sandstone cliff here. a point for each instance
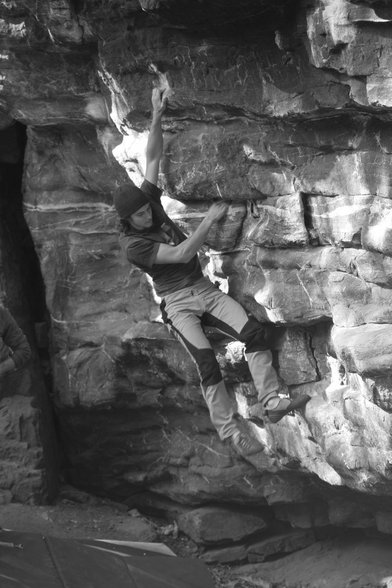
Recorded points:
(284, 110)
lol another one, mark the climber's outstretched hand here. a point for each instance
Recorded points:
(159, 100)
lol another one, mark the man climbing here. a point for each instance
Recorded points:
(156, 245)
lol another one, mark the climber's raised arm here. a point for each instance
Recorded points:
(155, 138)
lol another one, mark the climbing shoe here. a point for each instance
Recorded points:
(259, 415)
(244, 444)
(285, 406)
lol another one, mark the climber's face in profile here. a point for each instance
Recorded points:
(142, 218)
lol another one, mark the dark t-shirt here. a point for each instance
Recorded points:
(141, 248)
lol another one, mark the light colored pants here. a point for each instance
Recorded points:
(185, 312)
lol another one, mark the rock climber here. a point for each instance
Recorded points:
(155, 244)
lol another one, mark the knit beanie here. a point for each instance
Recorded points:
(128, 199)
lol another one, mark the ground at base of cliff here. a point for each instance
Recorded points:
(350, 561)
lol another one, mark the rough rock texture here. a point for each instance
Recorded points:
(208, 525)
(28, 456)
(347, 561)
(281, 108)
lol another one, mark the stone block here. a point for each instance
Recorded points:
(31, 74)
(136, 528)
(278, 545)
(346, 47)
(330, 176)
(280, 224)
(208, 525)
(297, 364)
(288, 297)
(29, 487)
(377, 234)
(381, 390)
(338, 220)
(225, 555)
(354, 302)
(365, 349)
(279, 489)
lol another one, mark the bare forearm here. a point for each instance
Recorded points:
(155, 139)
(188, 248)
(184, 252)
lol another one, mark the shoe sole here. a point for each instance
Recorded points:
(244, 454)
(257, 421)
(274, 416)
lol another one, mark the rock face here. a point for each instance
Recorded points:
(28, 456)
(281, 108)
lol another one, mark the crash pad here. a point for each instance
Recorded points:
(30, 560)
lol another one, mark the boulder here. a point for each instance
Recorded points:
(280, 109)
(213, 524)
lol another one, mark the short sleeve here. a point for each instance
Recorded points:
(142, 252)
(152, 191)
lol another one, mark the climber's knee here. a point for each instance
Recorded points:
(254, 336)
(208, 367)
